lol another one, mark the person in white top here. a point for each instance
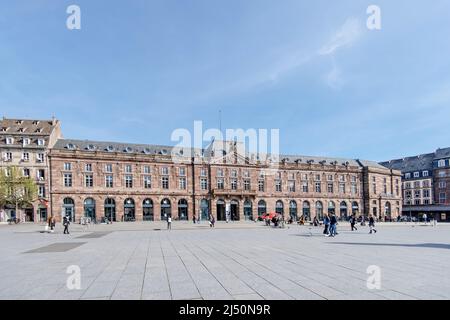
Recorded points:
(169, 223)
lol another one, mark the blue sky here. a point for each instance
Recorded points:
(139, 69)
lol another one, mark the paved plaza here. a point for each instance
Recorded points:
(241, 260)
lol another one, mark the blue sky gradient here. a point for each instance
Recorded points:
(139, 69)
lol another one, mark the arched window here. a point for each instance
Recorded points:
(306, 210)
(279, 207)
(204, 209)
(355, 208)
(248, 215)
(182, 209)
(89, 208)
(387, 210)
(343, 210)
(69, 209)
(293, 210)
(262, 209)
(166, 209)
(220, 210)
(234, 210)
(110, 209)
(319, 210)
(147, 210)
(331, 208)
(129, 210)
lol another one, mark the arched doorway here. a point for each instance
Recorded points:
(306, 210)
(29, 212)
(89, 208)
(248, 215)
(293, 210)
(129, 210)
(343, 210)
(234, 210)
(220, 206)
(69, 209)
(166, 209)
(331, 208)
(319, 210)
(355, 208)
(204, 209)
(262, 209)
(147, 210)
(279, 207)
(387, 211)
(182, 209)
(110, 209)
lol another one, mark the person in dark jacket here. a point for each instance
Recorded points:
(333, 223)
(372, 224)
(66, 223)
(326, 223)
(353, 222)
(193, 218)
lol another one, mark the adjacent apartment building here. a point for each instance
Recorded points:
(425, 184)
(25, 144)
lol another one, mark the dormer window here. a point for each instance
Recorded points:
(91, 147)
(21, 129)
(9, 140)
(128, 149)
(147, 151)
(26, 141)
(35, 122)
(38, 130)
(70, 146)
(41, 142)
(4, 129)
(19, 122)
(163, 151)
(110, 148)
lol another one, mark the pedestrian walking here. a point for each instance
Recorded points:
(66, 223)
(372, 224)
(169, 223)
(326, 223)
(333, 224)
(353, 222)
(193, 218)
(211, 221)
(315, 222)
(425, 218)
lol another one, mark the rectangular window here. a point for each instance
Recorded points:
(261, 186)
(234, 173)
(7, 156)
(41, 174)
(182, 171)
(88, 167)
(147, 182)
(442, 184)
(304, 177)
(354, 179)
(9, 140)
(220, 184)
(233, 184)
(442, 174)
(25, 156)
(354, 189)
(40, 157)
(261, 174)
(67, 166)
(278, 185)
(426, 201)
(247, 184)
(291, 186)
(89, 180)
(128, 168)
(165, 182)
(26, 141)
(425, 173)
(407, 175)
(374, 188)
(408, 194)
(417, 184)
(41, 192)
(341, 187)
(342, 178)
(26, 172)
(203, 172)
(128, 181)
(442, 197)
(330, 188)
(317, 178)
(67, 179)
(41, 142)
(246, 174)
(182, 183)
(109, 181)
(220, 172)
(416, 174)
(147, 170)
(417, 194)
(108, 168)
(426, 193)
(305, 186)
(318, 187)
(385, 189)
(165, 171)
(291, 176)
(441, 163)
(417, 202)
(426, 184)
(204, 183)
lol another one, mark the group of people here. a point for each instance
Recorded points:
(276, 220)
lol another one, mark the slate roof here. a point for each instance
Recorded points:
(412, 164)
(38, 127)
(442, 153)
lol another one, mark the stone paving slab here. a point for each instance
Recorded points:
(233, 261)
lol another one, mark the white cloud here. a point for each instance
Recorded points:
(347, 34)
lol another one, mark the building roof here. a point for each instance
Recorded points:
(411, 164)
(27, 126)
(442, 153)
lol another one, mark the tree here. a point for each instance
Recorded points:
(16, 189)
